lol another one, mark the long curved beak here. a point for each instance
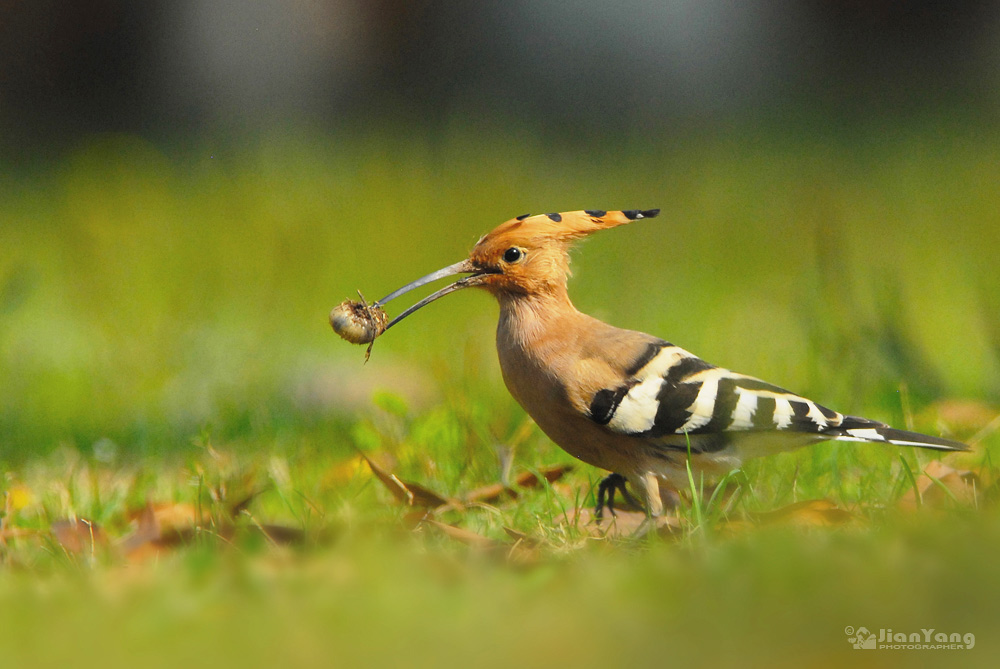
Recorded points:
(462, 267)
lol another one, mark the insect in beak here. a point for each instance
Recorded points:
(361, 323)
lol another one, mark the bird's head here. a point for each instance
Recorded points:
(525, 255)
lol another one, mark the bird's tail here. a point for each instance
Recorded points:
(854, 428)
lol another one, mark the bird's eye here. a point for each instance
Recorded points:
(513, 254)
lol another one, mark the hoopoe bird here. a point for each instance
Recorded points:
(625, 401)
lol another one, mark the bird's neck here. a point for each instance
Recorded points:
(536, 321)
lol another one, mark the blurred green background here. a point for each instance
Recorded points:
(187, 189)
(148, 297)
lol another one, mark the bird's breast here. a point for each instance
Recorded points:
(535, 386)
(542, 392)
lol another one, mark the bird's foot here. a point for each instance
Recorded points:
(606, 495)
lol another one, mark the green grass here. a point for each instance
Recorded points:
(163, 338)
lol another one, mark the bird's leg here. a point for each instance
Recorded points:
(606, 495)
(648, 486)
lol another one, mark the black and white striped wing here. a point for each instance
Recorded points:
(674, 395)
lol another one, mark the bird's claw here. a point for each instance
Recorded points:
(606, 495)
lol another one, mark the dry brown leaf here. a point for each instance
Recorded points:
(158, 527)
(526, 549)
(167, 523)
(489, 494)
(551, 474)
(962, 418)
(522, 552)
(808, 513)
(174, 516)
(243, 504)
(462, 535)
(395, 486)
(144, 542)
(426, 497)
(281, 534)
(411, 494)
(78, 536)
(941, 485)
(16, 533)
(147, 525)
(162, 527)
(494, 492)
(732, 527)
(412, 519)
(521, 537)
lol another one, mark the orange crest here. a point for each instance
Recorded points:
(531, 253)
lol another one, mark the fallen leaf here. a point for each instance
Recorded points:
(78, 536)
(16, 533)
(147, 525)
(521, 553)
(962, 418)
(395, 486)
(162, 527)
(411, 494)
(175, 516)
(494, 492)
(412, 519)
(489, 494)
(462, 535)
(551, 474)
(142, 544)
(243, 503)
(522, 538)
(281, 534)
(158, 527)
(941, 485)
(808, 513)
(426, 497)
